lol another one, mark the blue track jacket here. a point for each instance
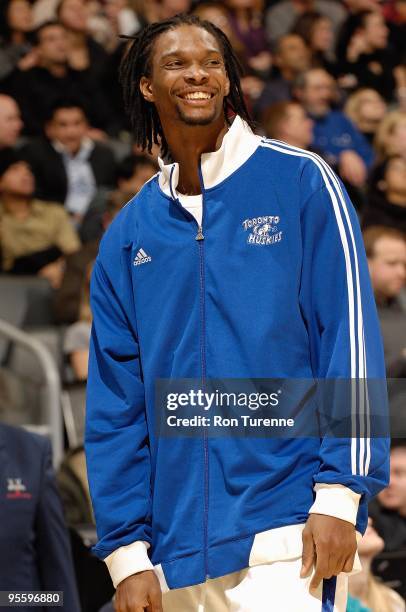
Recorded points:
(236, 303)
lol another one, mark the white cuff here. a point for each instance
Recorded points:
(336, 500)
(128, 560)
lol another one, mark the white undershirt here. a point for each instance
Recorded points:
(192, 203)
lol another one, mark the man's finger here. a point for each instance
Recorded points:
(349, 564)
(155, 598)
(321, 569)
(308, 556)
(337, 565)
(317, 578)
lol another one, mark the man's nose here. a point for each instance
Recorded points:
(196, 74)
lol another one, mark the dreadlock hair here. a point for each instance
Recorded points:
(137, 62)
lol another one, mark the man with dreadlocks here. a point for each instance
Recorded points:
(242, 258)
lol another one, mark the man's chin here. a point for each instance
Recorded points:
(197, 118)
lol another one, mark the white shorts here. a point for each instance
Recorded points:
(271, 587)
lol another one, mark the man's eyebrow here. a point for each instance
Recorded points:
(180, 52)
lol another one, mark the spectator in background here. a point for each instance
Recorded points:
(389, 509)
(33, 535)
(289, 122)
(386, 196)
(170, 8)
(16, 23)
(246, 23)
(53, 78)
(366, 108)
(89, 58)
(281, 18)
(10, 122)
(132, 173)
(364, 589)
(386, 252)
(363, 53)
(355, 6)
(67, 298)
(35, 236)
(85, 54)
(217, 13)
(291, 58)
(391, 135)
(316, 30)
(252, 85)
(77, 336)
(68, 166)
(119, 19)
(395, 11)
(340, 142)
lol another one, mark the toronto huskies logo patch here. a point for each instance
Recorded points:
(263, 230)
(16, 489)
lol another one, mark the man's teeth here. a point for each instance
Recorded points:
(197, 95)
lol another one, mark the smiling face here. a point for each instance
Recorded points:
(188, 80)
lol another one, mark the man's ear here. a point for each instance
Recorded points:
(146, 89)
(382, 185)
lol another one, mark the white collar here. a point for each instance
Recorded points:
(86, 147)
(239, 143)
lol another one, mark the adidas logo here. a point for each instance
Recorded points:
(141, 258)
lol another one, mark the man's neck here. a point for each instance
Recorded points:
(287, 73)
(18, 207)
(393, 197)
(57, 70)
(186, 144)
(17, 38)
(402, 511)
(367, 126)
(72, 152)
(382, 299)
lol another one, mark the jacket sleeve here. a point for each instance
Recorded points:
(338, 308)
(116, 434)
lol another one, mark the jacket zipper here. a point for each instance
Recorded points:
(200, 241)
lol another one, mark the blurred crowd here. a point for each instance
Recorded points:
(328, 76)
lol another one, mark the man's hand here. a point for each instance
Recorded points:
(53, 272)
(330, 545)
(352, 168)
(139, 592)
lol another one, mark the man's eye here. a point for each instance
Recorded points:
(174, 64)
(214, 62)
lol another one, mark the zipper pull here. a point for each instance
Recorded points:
(199, 234)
